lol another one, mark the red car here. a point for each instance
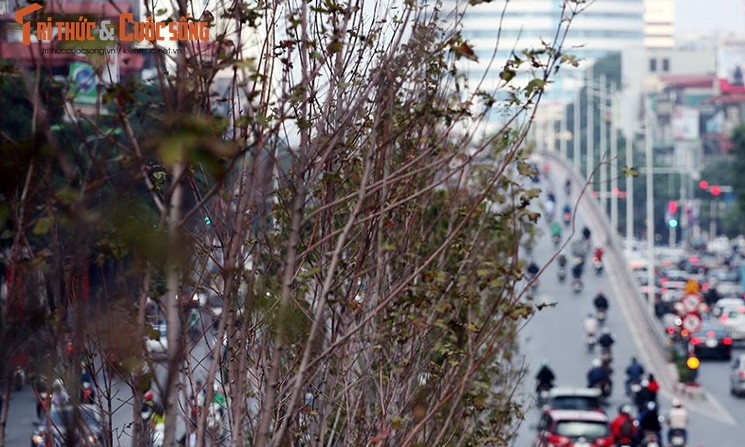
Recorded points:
(573, 428)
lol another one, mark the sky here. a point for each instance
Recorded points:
(708, 15)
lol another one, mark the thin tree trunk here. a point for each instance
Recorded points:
(175, 351)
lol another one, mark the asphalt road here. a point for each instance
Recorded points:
(22, 408)
(555, 334)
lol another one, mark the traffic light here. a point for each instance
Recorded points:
(703, 184)
(672, 206)
(715, 190)
(207, 220)
(673, 223)
(692, 364)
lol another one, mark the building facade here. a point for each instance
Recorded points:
(659, 24)
(600, 28)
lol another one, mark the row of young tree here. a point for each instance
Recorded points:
(363, 240)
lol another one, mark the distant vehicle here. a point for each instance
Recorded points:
(731, 312)
(157, 344)
(712, 341)
(729, 289)
(737, 376)
(586, 399)
(724, 275)
(88, 431)
(573, 428)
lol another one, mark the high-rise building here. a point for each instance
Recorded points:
(602, 27)
(659, 18)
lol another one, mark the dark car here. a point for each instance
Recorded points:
(712, 341)
(88, 432)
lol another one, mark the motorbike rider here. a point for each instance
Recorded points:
(577, 269)
(59, 394)
(649, 421)
(555, 229)
(653, 386)
(599, 253)
(634, 373)
(606, 340)
(677, 421)
(600, 302)
(597, 375)
(533, 269)
(591, 325)
(87, 393)
(545, 377)
(562, 260)
(568, 187)
(644, 396)
(623, 428)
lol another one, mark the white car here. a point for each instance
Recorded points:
(158, 346)
(731, 312)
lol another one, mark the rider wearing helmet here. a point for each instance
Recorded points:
(623, 428)
(677, 421)
(600, 302)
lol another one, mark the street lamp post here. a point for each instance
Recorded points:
(603, 109)
(577, 133)
(650, 203)
(629, 193)
(614, 160)
(590, 129)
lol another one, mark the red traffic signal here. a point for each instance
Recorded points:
(703, 184)
(715, 190)
(672, 206)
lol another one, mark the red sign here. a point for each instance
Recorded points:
(692, 323)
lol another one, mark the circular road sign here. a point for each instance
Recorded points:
(692, 323)
(691, 302)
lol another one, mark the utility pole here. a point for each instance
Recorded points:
(603, 156)
(563, 132)
(613, 160)
(590, 129)
(577, 140)
(629, 192)
(650, 202)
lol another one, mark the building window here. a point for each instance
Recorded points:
(653, 65)
(665, 64)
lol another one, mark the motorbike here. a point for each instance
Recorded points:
(567, 217)
(677, 437)
(43, 403)
(542, 391)
(649, 439)
(606, 356)
(605, 389)
(556, 238)
(590, 340)
(597, 264)
(634, 387)
(19, 378)
(562, 274)
(577, 286)
(602, 315)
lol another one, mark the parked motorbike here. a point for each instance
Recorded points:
(597, 264)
